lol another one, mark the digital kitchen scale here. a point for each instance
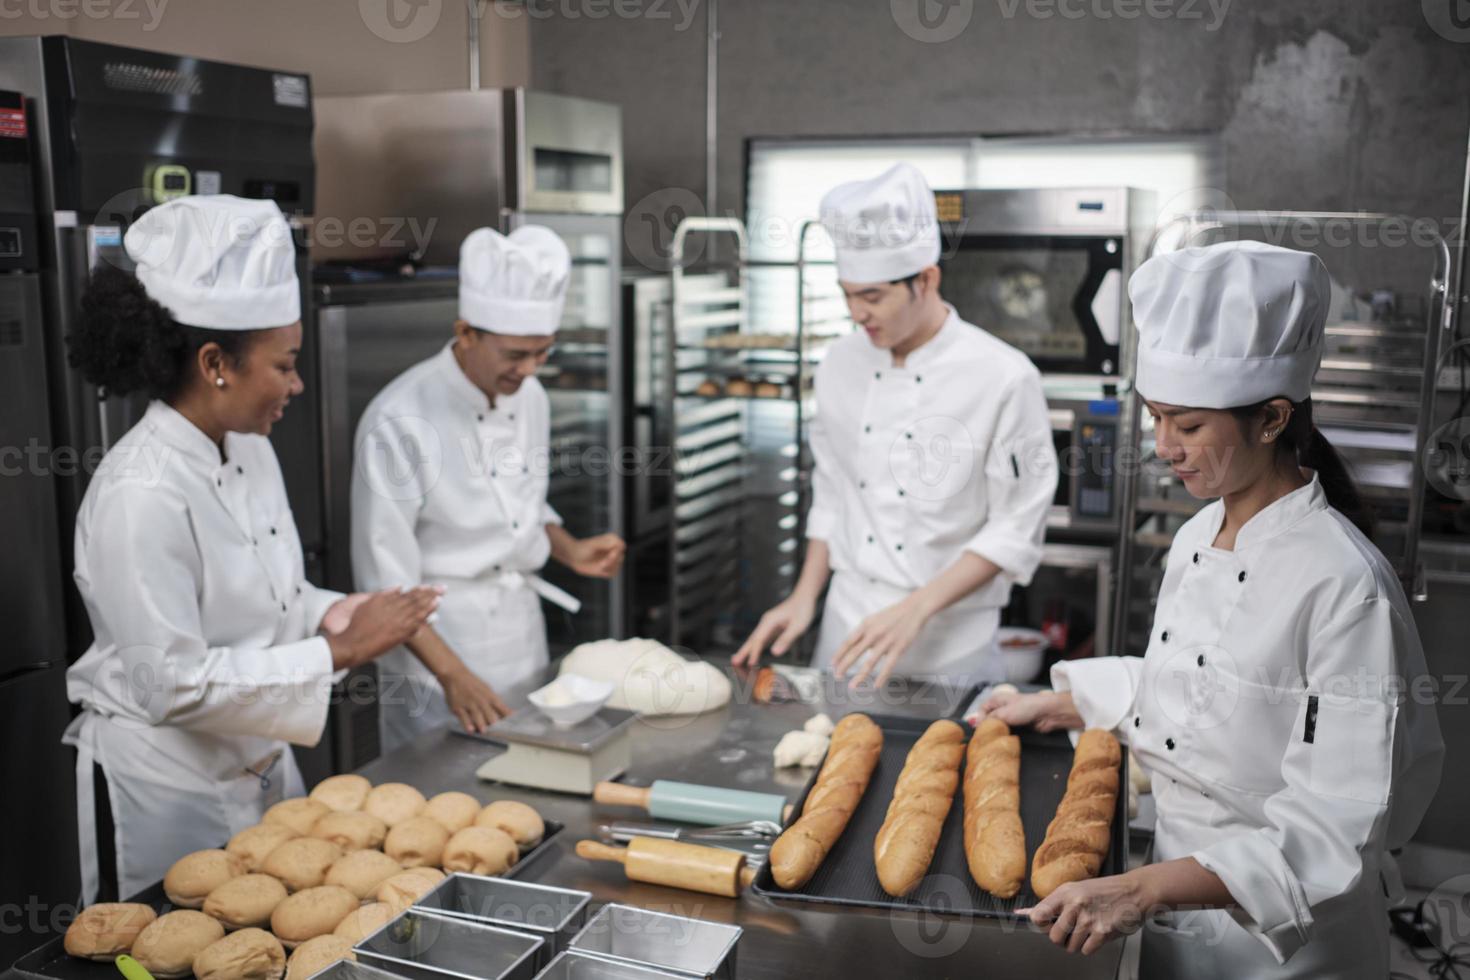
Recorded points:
(569, 760)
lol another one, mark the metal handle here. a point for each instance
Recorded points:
(624, 832)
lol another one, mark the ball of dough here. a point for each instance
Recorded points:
(365, 921)
(407, 887)
(453, 811)
(254, 844)
(300, 814)
(250, 954)
(168, 946)
(417, 842)
(649, 678)
(246, 901)
(524, 824)
(315, 955)
(194, 876)
(818, 725)
(800, 748)
(311, 913)
(342, 793)
(100, 932)
(350, 830)
(481, 851)
(361, 872)
(394, 803)
(302, 863)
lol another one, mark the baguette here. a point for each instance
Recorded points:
(851, 758)
(922, 797)
(995, 840)
(1077, 838)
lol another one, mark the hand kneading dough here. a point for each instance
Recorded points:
(361, 872)
(521, 822)
(342, 793)
(394, 803)
(254, 844)
(194, 876)
(246, 901)
(317, 954)
(418, 842)
(407, 887)
(168, 946)
(250, 954)
(103, 931)
(800, 748)
(302, 863)
(351, 831)
(481, 851)
(365, 921)
(453, 811)
(649, 678)
(298, 813)
(311, 913)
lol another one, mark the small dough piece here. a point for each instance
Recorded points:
(407, 887)
(311, 913)
(361, 872)
(418, 842)
(521, 822)
(250, 954)
(302, 863)
(167, 947)
(299, 813)
(453, 811)
(254, 844)
(342, 794)
(800, 749)
(101, 932)
(194, 876)
(394, 803)
(365, 921)
(819, 725)
(481, 851)
(315, 955)
(246, 901)
(351, 830)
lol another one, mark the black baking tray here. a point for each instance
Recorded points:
(50, 962)
(849, 877)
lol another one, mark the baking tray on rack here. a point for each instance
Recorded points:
(848, 876)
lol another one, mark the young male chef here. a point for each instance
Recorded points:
(449, 487)
(934, 464)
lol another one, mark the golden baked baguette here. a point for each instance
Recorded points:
(905, 844)
(995, 840)
(799, 851)
(1077, 838)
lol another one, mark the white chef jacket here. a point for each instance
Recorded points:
(1270, 710)
(915, 465)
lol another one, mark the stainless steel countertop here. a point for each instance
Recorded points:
(732, 747)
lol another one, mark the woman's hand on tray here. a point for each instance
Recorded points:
(1046, 711)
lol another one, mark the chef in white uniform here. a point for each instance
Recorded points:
(1282, 706)
(450, 481)
(212, 651)
(934, 463)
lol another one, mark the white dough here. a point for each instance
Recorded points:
(649, 678)
(801, 749)
(819, 725)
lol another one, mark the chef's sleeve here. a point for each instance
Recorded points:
(821, 516)
(391, 472)
(316, 601)
(1020, 476)
(151, 613)
(1357, 746)
(549, 514)
(1103, 689)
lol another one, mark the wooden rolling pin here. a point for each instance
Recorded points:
(692, 803)
(712, 870)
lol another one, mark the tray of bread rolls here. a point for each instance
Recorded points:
(911, 814)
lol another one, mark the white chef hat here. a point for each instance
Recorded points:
(218, 261)
(513, 284)
(1227, 325)
(884, 229)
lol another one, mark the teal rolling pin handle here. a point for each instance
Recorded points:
(692, 803)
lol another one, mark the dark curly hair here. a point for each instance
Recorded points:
(125, 341)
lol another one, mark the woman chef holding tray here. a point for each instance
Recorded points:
(1271, 705)
(212, 651)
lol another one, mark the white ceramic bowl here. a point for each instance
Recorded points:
(1023, 651)
(571, 699)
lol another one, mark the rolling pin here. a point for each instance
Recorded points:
(711, 870)
(692, 803)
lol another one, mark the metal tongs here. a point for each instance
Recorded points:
(749, 836)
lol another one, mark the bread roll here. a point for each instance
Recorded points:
(246, 901)
(856, 745)
(905, 843)
(194, 876)
(394, 803)
(361, 872)
(739, 388)
(342, 794)
(250, 954)
(1078, 836)
(417, 842)
(315, 955)
(254, 844)
(365, 921)
(100, 932)
(168, 946)
(995, 839)
(481, 851)
(351, 830)
(521, 822)
(311, 913)
(300, 814)
(708, 388)
(407, 887)
(302, 862)
(767, 389)
(453, 811)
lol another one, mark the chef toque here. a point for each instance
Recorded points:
(884, 229)
(513, 284)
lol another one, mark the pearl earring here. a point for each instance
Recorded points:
(219, 382)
